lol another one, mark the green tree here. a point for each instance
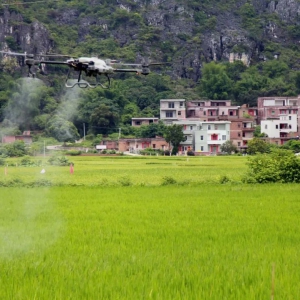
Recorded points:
(62, 130)
(293, 145)
(174, 136)
(228, 147)
(257, 132)
(104, 119)
(215, 83)
(258, 145)
(152, 130)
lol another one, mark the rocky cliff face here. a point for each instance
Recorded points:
(33, 37)
(180, 31)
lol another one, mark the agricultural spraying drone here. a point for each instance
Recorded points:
(89, 66)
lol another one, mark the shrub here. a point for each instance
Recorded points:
(2, 160)
(26, 161)
(59, 161)
(73, 152)
(125, 181)
(278, 166)
(168, 180)
(224, 179)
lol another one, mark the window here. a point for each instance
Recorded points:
(154, 146)
(239, 134)
(204, 113)
(137, 122)
(276, 126)
(201, 137)
(239, 125)
(179, 113)
(208, 127)
(273, 112)
(181, 104)
(191, 127)
(290, 117)
(216, 127)
(171, 104)
(169, 114)
(202, 148)
(224, 137)
(266, 126)
(239, 144)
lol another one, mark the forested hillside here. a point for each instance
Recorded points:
(200, 40)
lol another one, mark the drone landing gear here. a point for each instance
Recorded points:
(84, 84)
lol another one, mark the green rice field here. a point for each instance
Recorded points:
(147, 228)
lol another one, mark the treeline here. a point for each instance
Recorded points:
(50, 108)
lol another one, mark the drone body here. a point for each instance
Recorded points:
(90, 66)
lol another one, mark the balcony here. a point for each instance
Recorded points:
(215, 142)
(248, 129)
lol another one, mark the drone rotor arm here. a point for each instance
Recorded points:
(127, 70)
(49, 62)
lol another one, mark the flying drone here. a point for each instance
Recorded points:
(90, 66)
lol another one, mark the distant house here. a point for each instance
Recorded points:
(107, 145)
(137, 122)
(25, 137)
(172, 110)
(135, 145)
(203, 137)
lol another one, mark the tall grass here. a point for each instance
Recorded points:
(157, 242)
(151, 171)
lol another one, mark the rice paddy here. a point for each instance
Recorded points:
(117, 229)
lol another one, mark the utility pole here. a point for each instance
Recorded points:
(84, 131)
(119, 139)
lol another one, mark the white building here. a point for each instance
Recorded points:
(188, 127)
(280, 127)
(209, 138)
(203, 137)
(172, 110)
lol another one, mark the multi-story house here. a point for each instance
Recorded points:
(210, 136)
(280, 129)
(274, 107)
(211, 110)
(172, 110)
(248, 112)
(188, 127)
(241, 131)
